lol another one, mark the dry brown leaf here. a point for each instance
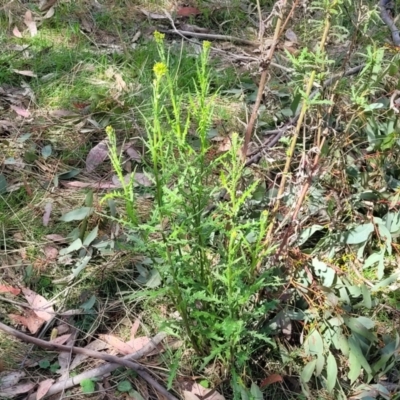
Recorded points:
(12, 378)
(63, 113)
(225, 144)
(61, 339)
(94, 185)
(30, 23)
(273, 378)
(47, 212)
(25, 73)
(15, 390)
(46, 5)
(49, 13)
(43, 388)
(9, 289)
(189, 395)
(153, 15)
(50, 252)
(118, 344)
(42, 307)
(188, 11)
(30, 320)
(16, 32)
(201, 391)
(64, 358)
(291, 36)
(137, 343)
(133, 154)
(56, 238)
(21, 111)
(119, 82)
(142, 179)
(135, 328)
(97, 155)
(96, 345)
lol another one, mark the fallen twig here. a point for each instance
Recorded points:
(116, 361)
(210, 36)
(388, 20)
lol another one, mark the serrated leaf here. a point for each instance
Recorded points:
(77, 215)
(331, 372)
(307, 371)
(74, 246)
(359, 234)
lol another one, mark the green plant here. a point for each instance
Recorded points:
(203, 251)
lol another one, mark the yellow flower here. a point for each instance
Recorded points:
(159, 37)
(160, 69)
(206, 45)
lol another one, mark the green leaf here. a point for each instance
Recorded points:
(357, 327)
(314, 345)
(3, 184)
(204, 383)
(88, 305)
(308, 370)
(74, 246)
(91, 236)
(359, 234)
(368, 323)
(82, 264)
(44, 363)
(46, 151)
(154, 280)
(366, 292)
(354, 368)
(331, 372)
(87, 386)
(124, 386)
(356, 351)
(55, 367)
(387, 281)
(256, 392)
(134, 394)
(319, 365)
(69, 174)
(77, 215)
(307, 233)
(385, 235)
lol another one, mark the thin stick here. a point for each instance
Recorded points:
(125, 361)
(261, 87)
